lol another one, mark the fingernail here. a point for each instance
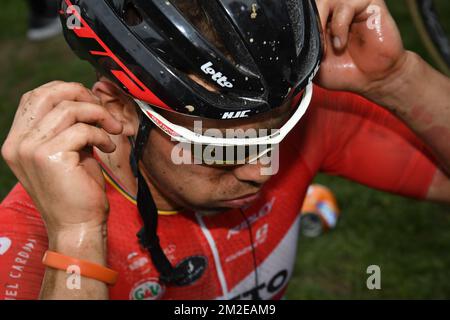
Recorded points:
(337, 42)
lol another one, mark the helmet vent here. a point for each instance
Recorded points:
(131, 14)
(194, 12)
(297, 19)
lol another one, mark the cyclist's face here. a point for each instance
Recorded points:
(205, 187)
(191, 185)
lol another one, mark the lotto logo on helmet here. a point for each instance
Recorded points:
(218, 77)
(148, 289)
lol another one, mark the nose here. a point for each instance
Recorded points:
(252, 173)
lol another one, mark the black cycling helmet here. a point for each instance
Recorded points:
(274, 48)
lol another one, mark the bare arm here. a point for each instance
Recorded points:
(84, 244)
(420, 96)
(370, 60)
(440, 188)
(48, 150)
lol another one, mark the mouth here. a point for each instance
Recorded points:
(242, 201)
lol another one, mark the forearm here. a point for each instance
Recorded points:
(89, 245)
(420, 96)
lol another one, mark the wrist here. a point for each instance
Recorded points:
(81, 242)
(400, 85)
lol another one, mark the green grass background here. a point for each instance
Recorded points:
(409, 240)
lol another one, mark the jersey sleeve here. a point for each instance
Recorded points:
(366, 143)
(23, 241)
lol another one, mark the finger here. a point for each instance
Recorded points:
(80, 136)
(340, 24)
(324, 8)
(38, 102)
(68, 113)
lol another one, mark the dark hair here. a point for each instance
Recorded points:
(193, 11)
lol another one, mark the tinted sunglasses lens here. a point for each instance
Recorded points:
(229, 155)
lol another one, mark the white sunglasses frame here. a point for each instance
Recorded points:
(184, 135)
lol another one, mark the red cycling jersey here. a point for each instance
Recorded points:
(341, 134)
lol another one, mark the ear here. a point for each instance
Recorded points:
(119, 104)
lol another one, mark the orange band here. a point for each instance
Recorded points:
(87, 269)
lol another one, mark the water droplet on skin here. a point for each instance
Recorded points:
(57, 157)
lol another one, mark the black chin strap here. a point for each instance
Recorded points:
(148, 236)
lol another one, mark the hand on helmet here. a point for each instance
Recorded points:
(49, 150)
(362, 44)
